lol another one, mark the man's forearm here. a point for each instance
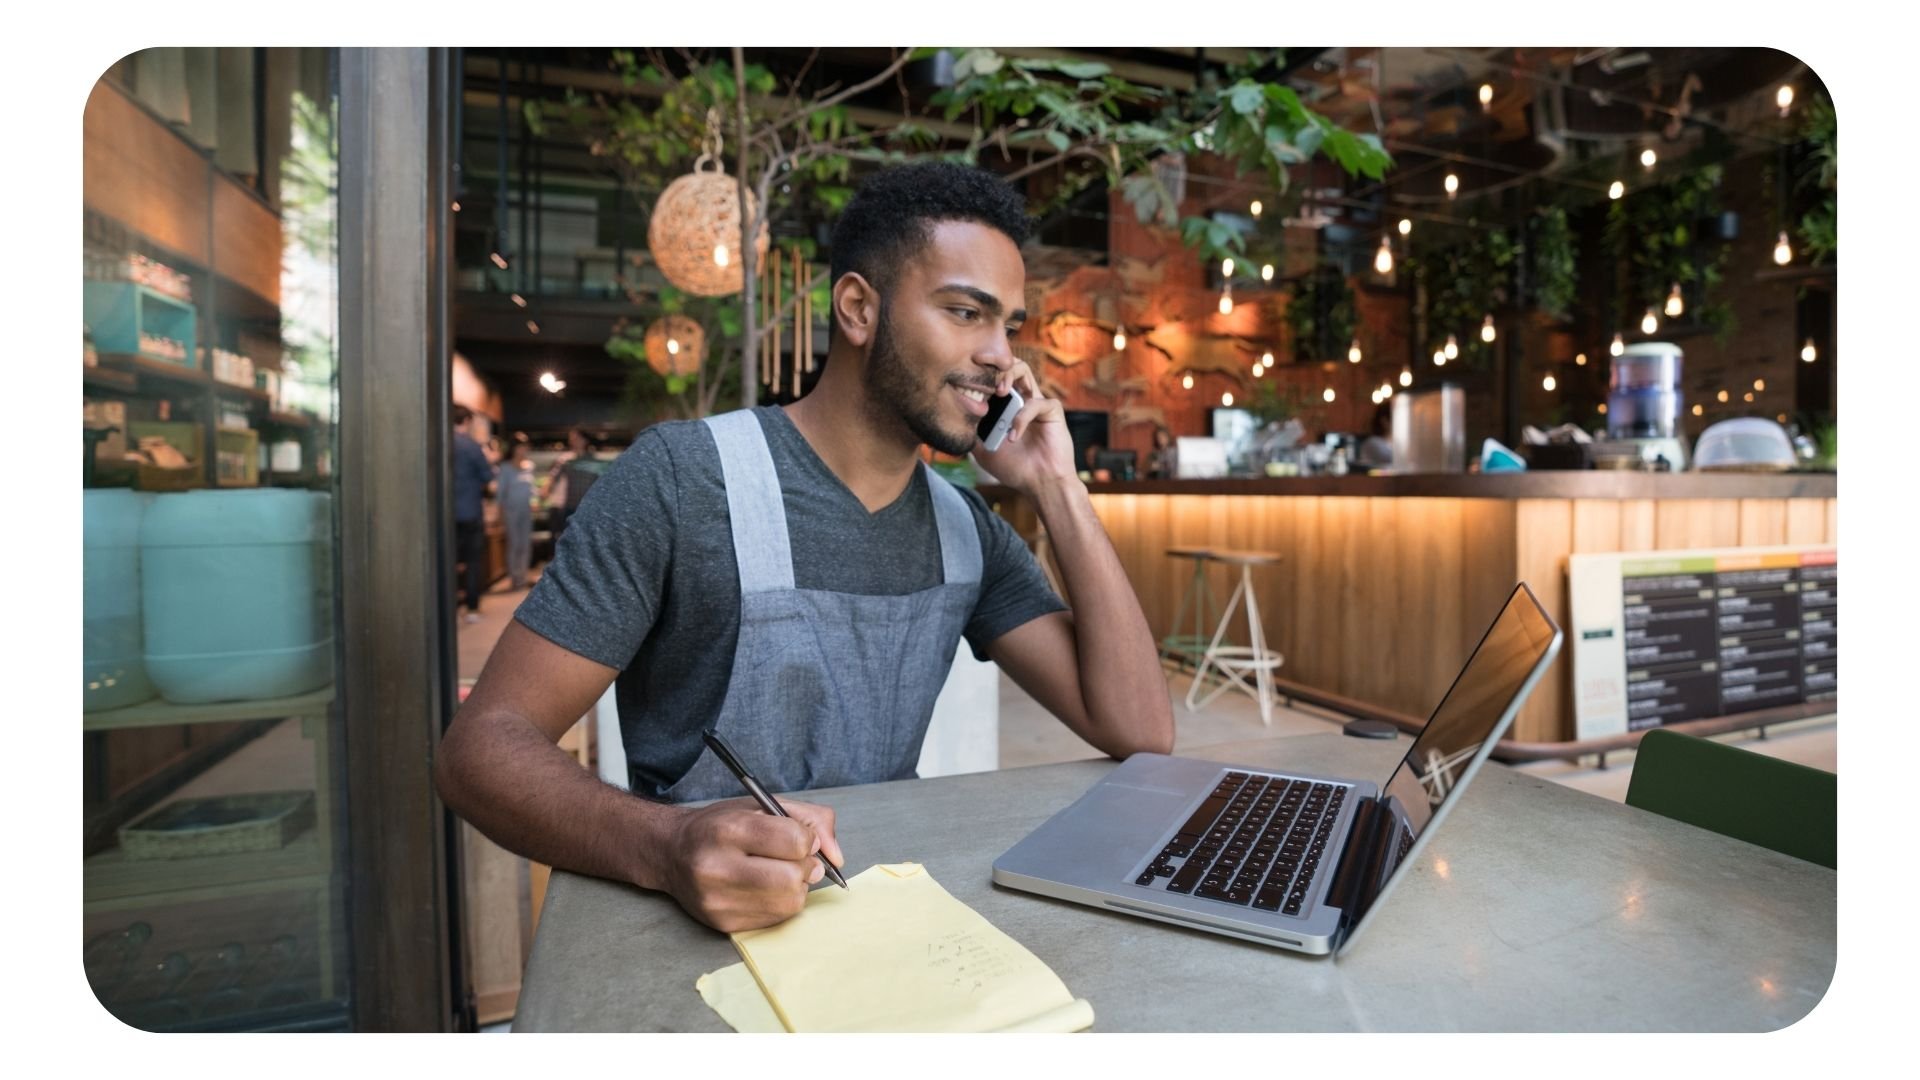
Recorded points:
(1121, 683)
(527, 795)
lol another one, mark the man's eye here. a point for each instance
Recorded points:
(967, 314)
(1012, 330)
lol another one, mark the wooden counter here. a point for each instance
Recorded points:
(1388, 581)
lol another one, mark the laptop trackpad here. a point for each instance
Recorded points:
(1099, 839)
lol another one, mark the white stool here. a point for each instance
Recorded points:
(1235, 662)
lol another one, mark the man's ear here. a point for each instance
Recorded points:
(856, 309)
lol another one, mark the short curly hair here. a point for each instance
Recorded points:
(891, 217)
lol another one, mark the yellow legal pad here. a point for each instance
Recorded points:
(893, 952)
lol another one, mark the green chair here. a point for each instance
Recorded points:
(1776, 804)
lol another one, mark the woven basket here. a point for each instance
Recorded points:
(219, 825)
(697, 214)
(689, 338)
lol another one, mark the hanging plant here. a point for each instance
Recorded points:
(1320, 313)
(1819, 227)
(1655, 232)
(1462, 285)
(1553, 263)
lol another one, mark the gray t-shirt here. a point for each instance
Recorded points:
(645, 580)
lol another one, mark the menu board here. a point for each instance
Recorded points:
(1661, 637)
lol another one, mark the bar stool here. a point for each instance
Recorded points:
(1235, 662)
(1187, 648)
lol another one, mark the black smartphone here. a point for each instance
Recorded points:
(999, 419)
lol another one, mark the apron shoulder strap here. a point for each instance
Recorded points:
(960, 554)
(759, 516)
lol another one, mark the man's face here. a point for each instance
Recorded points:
(940, 343)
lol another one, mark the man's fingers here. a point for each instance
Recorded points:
(772, 837)
(1045, 409)
(822, 819)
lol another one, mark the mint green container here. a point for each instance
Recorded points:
(237, 594)
(116, 673)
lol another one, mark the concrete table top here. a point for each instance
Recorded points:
(1535, 908)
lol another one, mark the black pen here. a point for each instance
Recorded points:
(761, 796)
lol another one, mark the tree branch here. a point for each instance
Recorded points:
(817, 104)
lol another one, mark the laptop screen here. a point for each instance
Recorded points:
(1468, 718)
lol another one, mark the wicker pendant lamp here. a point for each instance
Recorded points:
(676, 345)
(695, 232)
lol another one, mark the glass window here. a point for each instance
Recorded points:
(213, 890)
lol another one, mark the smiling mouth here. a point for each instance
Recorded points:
(974, 399)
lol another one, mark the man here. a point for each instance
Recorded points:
(797, 579)
(472, 476)
(568, 480)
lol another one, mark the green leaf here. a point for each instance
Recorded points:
(835, 196)
(1247, 98)
(676, 384)
(731, 321)
(1288, 102)
(1058, 140)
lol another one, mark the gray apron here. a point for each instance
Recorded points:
(827, 688)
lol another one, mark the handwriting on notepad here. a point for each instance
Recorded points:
(968, 962)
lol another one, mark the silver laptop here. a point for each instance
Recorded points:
(1281, 858)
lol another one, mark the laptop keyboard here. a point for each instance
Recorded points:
(1256, 841)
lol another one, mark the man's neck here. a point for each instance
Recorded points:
(872, 455)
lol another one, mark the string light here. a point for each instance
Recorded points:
(1256, 208)
(456, 206)
(1353, 352)
(532, 327)
(1784, 99)
(1406, 376)
(1186, 383)
(1782, 417)
(1648, 157)
(1602, 409)
(1548, 383)
(1120, 339)
(1649, 322)
(1259, 369)
(519, 301)
(1266, 359)
(1486, 95)
(1439, 358)
(1619, 345)
(1721, 397)
(1453, 347)
(1383, 259)
(1226, 303)
(1807, 353)
(1487, 332)
(1375, 397)
(1616, 190)
(1748, 396)
(1266, 272)
(1226, 268)
(1782, 251)
(1697, 410)
(1327, 396)
(1386, 390)
(1760, 384)
(1406, 226)
(1452, 185)
(1580, 360)
(1676, 304)
(1226, 399)
(500, 260)
(720, 257)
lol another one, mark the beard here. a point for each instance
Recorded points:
(893, 391)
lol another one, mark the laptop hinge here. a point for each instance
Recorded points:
(1357, 876)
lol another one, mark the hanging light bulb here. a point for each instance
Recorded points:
(1256, 208)
(1226, 268)
(1782, 251)
(1327, 395)
(1406, 376)
(1439, 358)
(1748, 396)
(1386, 390)
(1807, 353)
(532, 327)
(1648, 157)
(1580, 360)
(1453, 347)
(1784, 99)
(1226, 399)
(1486, 95)
(456, 206)
(673, 346)
(1266, 359)
(1602, 410)
(1619, 345)
(1722, 396)
(1698, 410)
(720, 255)
(1452, 185)
(1676, 304)
(1487, 332)
(1259, 369)
(1226, 303)
(1266, 272)
(1120, 339)
(1649, 322)
(500, 260)
(518, 300)
(1406, 226)
(1548, 383)
(1760, 384)
(1616, 190)
(1186, 382)
(1353, 352)
(1383, 259)
(1374, 397)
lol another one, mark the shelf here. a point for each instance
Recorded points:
(163, 714)
(244, 393)
(154, 368)
(111, 876)
(292, 420)
(107, 379)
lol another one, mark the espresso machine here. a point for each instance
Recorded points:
(1643, 411)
